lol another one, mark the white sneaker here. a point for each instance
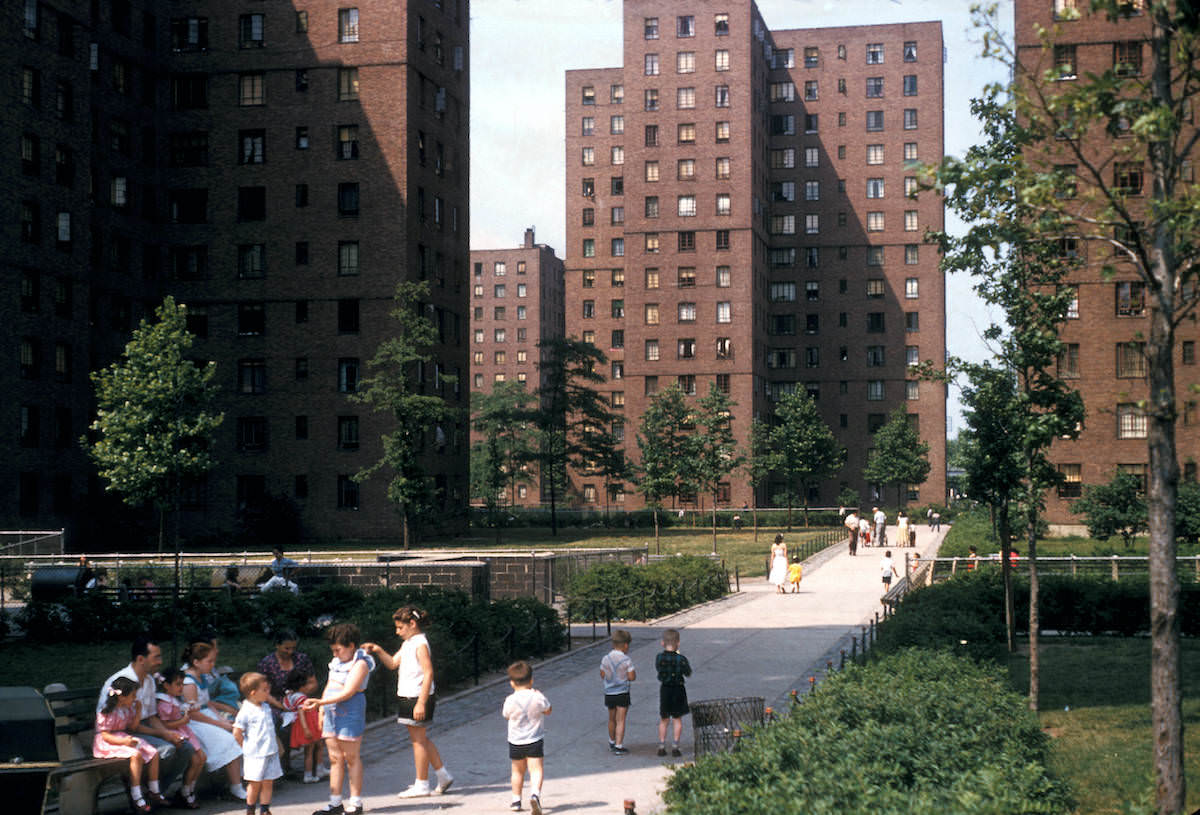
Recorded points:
(444, 782)
(322, 771)
(418, 790)
(311, 778)
(237, 791)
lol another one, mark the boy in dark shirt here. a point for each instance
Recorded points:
(671, 667)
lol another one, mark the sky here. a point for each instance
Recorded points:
(520, 50)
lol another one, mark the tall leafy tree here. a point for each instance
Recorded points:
(154, 415)
(664, 447)
(714, 448)
(499, 462)
(1151, 228)
(803, 446)
(899, 456)
(760, 463)
(396, 389)
(1115, 508)
(572, 418)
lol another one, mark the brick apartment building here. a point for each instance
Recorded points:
(516, 302)
(276, 166)
(739, 213)
(1111, 313)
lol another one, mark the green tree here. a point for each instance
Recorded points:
(1150, 228)
(1187, 517)
(899, 456)
(154, 417)
(397, 390)
(1115, 508)
(714, 452)
(664, 448)
(573, 419)
(760, 463)
(804, 449)
(500, 461)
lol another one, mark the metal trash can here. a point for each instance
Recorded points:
(715, 720)
(27, 750)
(53, 584)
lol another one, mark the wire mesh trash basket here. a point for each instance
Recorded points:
(714, 722)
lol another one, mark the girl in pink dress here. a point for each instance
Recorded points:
(121, 711)
(175, 715)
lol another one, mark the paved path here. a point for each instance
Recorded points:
(755, 643)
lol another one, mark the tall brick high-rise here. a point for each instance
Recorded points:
(1110, 320)
(741, 211)
(516, 302)
(278, 167)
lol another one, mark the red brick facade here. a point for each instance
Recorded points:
(279, 169)
(733, 218)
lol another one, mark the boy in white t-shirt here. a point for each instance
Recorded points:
(526, 710)
(254, 729)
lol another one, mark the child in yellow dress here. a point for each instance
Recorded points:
(795, 572)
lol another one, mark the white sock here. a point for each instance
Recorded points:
(153, 785)
(354, 801)
(334, 800)
(136, 793)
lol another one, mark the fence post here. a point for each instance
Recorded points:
(541, 650)
(475, 655)
(853, 649)
(737, 576)
(1115, 569)
(608, 616)
(569, 619)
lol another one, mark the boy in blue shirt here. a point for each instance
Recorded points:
(617, 671)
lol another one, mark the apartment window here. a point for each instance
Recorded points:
(874, 121)
(1072, 483)
(910, 118)
(251, 89)
(499, 335)
(912, 321)
(1127, 177)
(588, 156)
(616, 125)
(783, 224)
(347, 492)
(812, 56)
(782, 292)
(812, 323)
(651, 278)
(650, 28)
(811, 120)
(347, 142)
(686, 348)
(651, 206)
(650, 99)
(784, 191)
(652, 171)
(685, 62)
(812, 190)
(812, 224)
(724, 277)
(250, 31)
(253, 146)
(687, 312)
(348, 25)
(875, 356)
(910, 51)
(252, 204)
(874, 87)
(252, 261)
(875, 53)
(1131, 421)
(783, 325)
(686, 241)
(617, 215)
(722, 134)
(874, 221)
(722, 96)
(348, 198)
(782, 92)
(588, 216)
(812, 157)
(685, 98)
(685, 26)
(721, 25)
(911, 288)
(911, 223)
(687, 133)
(724, 206)
(912, 254)
(912, 389)
(650, 65)
(783, 124)
(721, 60)
(587, 126)
(617, 155)
(1127, 58)
(875, 322)
(252, 376)
(1188, 352)
(1068, 361)
(875, 390)
(686, 206)
(498, 291)
(724, 312)
(686, 278)
(874, 187)
(31, 86)
(1130, 299)
(874, 154)
(347, 84)
(910, 85)
(588, 95)
(589, 309)
(651, 350)
(618, 247)
(347, 258)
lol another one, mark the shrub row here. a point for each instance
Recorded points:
(947, 736)
(967, 611)
(642, 592)
(517, 517)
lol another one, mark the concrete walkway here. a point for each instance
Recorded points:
(755, 643)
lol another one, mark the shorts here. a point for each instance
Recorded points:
(887, 580)
(405, 715)
(534, 750)
(346, 721)
(612, 700)
(261, 768)
(672, 701)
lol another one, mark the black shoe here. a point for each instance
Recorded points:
(337, 810)
(620, 751)
(675, 752)
(662, 751)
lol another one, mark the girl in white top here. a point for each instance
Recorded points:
(414, 686)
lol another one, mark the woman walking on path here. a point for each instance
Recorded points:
(779, 564)
(902, 524)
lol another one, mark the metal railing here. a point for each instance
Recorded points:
(807, 548)
(1114, 567)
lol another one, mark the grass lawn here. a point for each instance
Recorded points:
(736, 548)
(1095, 704)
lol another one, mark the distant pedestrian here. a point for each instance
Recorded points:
(972, 558)
(936, 521)
(880, 520)
(779, 564)
(887, 570)
(851, 523)
(929, 516)
(526, 710)
(864, 531)
(795, 574)
(671, 667)
(902, 528)
(617, 671)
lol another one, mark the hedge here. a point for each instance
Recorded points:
(914, 732)
(642, 592)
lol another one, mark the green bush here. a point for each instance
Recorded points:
(947, 737)
(642, 592)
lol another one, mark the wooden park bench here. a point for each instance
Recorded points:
(79, 778)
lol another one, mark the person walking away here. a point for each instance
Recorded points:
(937, 521)
(880, 520)
(617, 672)
(526, 710)
(864, 531)
(887, 570)
(413, 664)
(671, 667)
(254, 729)
(779, 563)
(852, 526)
(795, 574)
(902, 528)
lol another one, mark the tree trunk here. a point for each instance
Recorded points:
(789, 520)
(657, 544)
(1034, 622)
(1003, 533)
(553, 495)
(714, 522)
(404, 528)
(754, 511)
